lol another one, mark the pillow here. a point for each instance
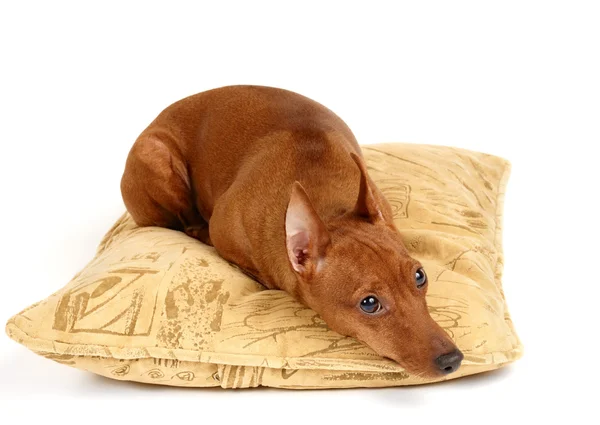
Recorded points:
(159, 307)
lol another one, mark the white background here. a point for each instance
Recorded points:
(518, 79)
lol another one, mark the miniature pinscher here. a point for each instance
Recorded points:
(277, 184)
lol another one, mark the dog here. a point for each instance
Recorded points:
(276, 182)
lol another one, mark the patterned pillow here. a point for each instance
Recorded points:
(157, 306)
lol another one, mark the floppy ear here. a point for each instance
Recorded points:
(366, 205)
(306, 235)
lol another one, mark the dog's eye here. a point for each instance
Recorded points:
(420, 278)
(370, 305)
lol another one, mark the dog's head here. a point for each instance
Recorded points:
(356, 273)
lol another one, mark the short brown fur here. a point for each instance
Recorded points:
(276, 183)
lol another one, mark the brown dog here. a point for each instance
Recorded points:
(276, 183)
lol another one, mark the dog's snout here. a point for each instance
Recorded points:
(449, 362)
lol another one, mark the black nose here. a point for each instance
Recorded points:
(449, 362)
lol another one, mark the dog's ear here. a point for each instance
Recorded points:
(366, 205)
(307, 237)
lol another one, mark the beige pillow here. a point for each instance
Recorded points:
(157, 306)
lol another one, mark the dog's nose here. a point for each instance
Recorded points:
(449, 362)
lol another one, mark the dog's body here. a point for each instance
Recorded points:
(275, 182)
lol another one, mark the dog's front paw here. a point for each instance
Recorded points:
(200, 233)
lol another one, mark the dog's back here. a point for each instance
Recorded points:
(226, 133)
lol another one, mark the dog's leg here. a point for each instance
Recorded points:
(156, 189)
